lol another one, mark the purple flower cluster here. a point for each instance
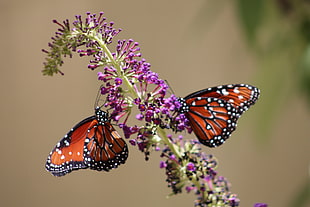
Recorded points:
(102, 30)
(83, 33)
(129, 83)
(194, 172)
(144, 93)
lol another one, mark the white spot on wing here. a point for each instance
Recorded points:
(236, 90)
(224, 92)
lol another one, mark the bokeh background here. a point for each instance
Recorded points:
(192, 44)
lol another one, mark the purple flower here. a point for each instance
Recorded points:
(233, 200)
(190, 166)
(173, 157)
(202, 189)
(142, 146)
(189, 188)
(133, 142)
(157, 148)
(103, 77)
(128, 130)
(118, 81)
(162, 164)
(142, 107)
(260, 205)
(139, 117)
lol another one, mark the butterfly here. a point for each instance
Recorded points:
(213, 112)
(92, 143)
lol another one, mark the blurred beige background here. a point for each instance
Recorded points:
(36, 111)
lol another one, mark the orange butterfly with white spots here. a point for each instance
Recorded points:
(93, 143)
(213, 112)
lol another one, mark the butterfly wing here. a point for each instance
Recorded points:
(68, 154)
(213, 112)
(241, 96)
(212, 119)
(104, 148)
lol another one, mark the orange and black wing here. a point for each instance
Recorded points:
(212, 120)
(104, 148)
(213, 112)
(68, 155)
(240, 96)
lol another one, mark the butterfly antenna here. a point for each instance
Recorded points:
(98, 97)
(169, 86)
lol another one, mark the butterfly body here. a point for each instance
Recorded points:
(213, 112)
(93, 143)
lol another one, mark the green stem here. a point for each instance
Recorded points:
(165, 139)
(116, 65)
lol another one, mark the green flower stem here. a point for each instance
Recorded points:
(166, 141)
(115, 64)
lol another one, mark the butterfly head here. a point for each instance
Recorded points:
(102, 116)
